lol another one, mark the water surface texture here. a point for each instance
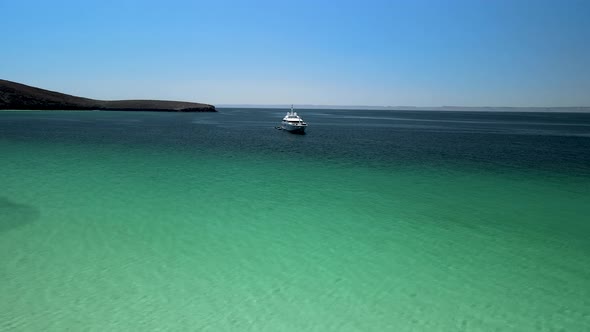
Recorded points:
(372, 221)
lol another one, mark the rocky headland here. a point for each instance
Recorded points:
(16, 96)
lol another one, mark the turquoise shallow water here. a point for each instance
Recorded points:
(408, 222)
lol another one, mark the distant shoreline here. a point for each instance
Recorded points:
(16, 96)
(573, 109)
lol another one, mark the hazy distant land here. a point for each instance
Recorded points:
(573, 109)
(16, 96)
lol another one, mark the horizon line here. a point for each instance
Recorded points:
(399, 106)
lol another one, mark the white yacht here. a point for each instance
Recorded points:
(293, 122)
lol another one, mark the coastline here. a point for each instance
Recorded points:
(17, 96)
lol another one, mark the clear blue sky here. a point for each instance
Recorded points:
(423, 53)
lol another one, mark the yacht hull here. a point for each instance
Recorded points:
(293, 129)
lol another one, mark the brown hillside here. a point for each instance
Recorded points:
(16, 96)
